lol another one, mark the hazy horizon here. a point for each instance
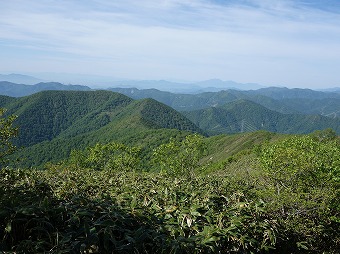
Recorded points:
(104, 82)
(294, 44)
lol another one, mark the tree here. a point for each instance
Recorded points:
(324, 135)
(107, 156)
(301, 162)
(179, 157)
(301, 185)
(7, 133)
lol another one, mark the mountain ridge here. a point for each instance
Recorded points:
(245, 116)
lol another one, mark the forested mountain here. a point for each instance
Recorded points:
(54, 122)
(327, 107)
(4, 100)
(62, 120)
(247, 116)
(18, 90)
(283, 100)
(45, 115)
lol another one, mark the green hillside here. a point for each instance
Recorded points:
(52, 123)
(158, 115)
(247, 116)
(327, 107)
(4, 100)
(45, 115)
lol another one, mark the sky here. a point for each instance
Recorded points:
(292, 43)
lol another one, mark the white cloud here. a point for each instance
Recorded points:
(184, 39)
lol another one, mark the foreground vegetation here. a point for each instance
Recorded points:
(281, 196)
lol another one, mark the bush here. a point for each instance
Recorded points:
(301, 183)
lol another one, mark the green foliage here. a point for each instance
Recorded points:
(302, 162)
(324, 135)
(7, 133)
(179, 157)
(255, 201)
(77, 210)
(114, 156)
(301, 182)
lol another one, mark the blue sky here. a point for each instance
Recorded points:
(293, 43)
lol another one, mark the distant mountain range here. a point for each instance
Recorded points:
(282, 100)
(96, 82)
(19, 90)
(212, 85)
(20, 79)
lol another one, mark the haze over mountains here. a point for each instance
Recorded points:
(97, 82)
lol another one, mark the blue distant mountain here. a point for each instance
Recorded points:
(19, 90)
(20, 79)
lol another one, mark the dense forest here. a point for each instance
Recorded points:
(99, 172)
(244, 116)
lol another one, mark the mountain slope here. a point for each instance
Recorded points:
(327, 107)
(52, 123)
(4, 100)
(43, 116)
(245, 116)
(159, 115)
